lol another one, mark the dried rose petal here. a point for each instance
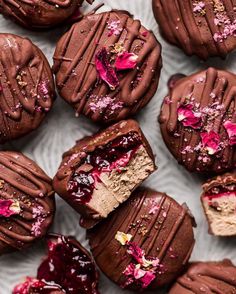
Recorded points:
(188, 117)
(126, 60)
(105, 70)
(9, 207)
(231, 130)
(210, 141)
(147, 279)
(136, 252)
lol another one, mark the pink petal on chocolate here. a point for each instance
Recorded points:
(147, 279)
(136, 252)
(105, 70)
(210, 141)
(188, 117)
(231, 131)
(5, 208)
(126, 60)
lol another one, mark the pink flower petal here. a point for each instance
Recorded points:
(147, 279)
(188, 117)
(210, 141)
(231, 131)
(136, 252)
(5, 208)
(105, 70)
(126, 60)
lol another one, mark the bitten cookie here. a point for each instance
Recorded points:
(101, 171)
(219, 203)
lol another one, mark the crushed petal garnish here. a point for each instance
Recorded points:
(9, 207)
(189, 117)
(231, 131)
(145, 270)
(104, 103)
(105, 71)
(123, 238)
(114, 28)
(126, 60)
(210, 142)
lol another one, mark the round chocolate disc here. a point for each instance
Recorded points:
(26, 87)
(203, 27)
(26, 202)
(198, 121)
(39, 14)
(145, 243)
(107, 66)
(207, 277)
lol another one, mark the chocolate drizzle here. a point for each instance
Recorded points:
(77, 77)
(23, 181)
(156, 223)
(36, 14)
(203, 28)
(210, 97)
(207, 277)
(26, 86)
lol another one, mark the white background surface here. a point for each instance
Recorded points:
(61, 129)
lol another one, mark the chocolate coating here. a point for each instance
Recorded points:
(203, 28)
(219, 204)
(74, 162)
(26, 87)
(39, 14)
(207, 277)
(158, 225)
(198, 121)
(26, 202)
(78, 80)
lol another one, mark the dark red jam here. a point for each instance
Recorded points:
(114, 155)
(67, 269)
(221, 191)
(70, 267)
(32, 285)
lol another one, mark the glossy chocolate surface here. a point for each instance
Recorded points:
(203, 27)
(198, 122)
(26, 202)
(107, 66)
(157, 238)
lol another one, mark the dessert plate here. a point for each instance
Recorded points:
(61, 128)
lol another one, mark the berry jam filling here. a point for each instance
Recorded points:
(114, 155)
(221, 191)
(32, 285)
(70, 267)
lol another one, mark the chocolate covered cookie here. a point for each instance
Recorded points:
(145, 243)
(68, 268)
(101, 171)
(107, 66)
(39, 14)
(198, 121)
(207, 277)
(26, 202)
(200, 27)
(26, 87)
(219, 203)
